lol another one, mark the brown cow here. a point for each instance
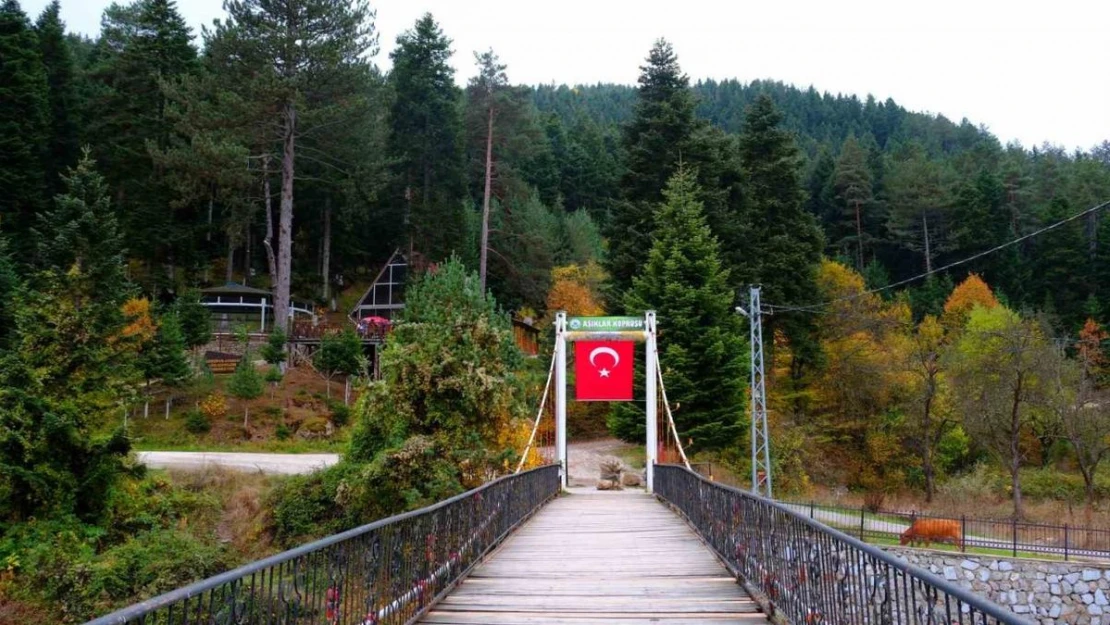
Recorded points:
(933, 530)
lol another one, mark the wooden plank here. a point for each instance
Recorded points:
(620, 558)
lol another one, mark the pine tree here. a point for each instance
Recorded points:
(245, 384)
(782, 243)
(700, 346)
(23, 119)
(82, 233)
(141, 45)
(851, 182)
(494, 110)
(62, 143)
(71, 366)
(339, 354)
(425, 144)
(300, 60)
(195, 320)
(9, 284)
(663, 134)
(273, 352)
(917, 189)
(164, 357)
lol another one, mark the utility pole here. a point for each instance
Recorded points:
(761, 442)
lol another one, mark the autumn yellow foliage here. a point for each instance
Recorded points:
(969, 293)
(576, 289)
(140, 324)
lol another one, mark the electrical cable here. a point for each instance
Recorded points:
(819, 306)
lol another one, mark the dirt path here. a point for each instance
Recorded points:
(584, 457)
(286, 464)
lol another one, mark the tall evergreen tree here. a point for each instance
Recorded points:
(493, 110)
(663, 134)
(700, 346)
(852, 184)
(300, 59)
(82, 233)
(71, 367)
(917, 189)
(782, 243)
(9, 283)
(23, 119)
(140, 45)
(62, 143)
(425, 144)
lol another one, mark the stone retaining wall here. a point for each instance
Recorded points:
(1046, 591)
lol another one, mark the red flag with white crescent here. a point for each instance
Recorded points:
(603, 370)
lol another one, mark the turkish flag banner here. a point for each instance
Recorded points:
(603, 370)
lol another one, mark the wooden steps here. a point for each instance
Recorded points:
(593, 557)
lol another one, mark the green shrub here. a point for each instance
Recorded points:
(196, 422)
(340, 414)
(148, 565)
(283, 432)
(984, 482)
(304, 506)
(1052, 484)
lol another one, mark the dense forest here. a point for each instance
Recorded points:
(269, 149)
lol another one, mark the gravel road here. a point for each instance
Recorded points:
(287, 464)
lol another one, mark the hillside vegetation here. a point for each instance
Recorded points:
(270, 150)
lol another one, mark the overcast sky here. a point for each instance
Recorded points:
(1029, 71)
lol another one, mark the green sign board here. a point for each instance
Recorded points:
(604, 324)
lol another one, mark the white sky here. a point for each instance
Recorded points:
(1029, 71)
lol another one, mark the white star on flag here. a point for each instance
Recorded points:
(603, 372)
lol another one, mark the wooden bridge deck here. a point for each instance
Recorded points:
(593, 557)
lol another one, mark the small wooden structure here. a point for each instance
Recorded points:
(386, 296)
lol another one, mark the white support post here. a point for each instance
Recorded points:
(650, 398)
(561, 395)
(263, 328)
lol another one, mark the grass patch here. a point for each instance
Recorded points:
(632, 456)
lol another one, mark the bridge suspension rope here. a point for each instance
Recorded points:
(540, 449)
(670, 445)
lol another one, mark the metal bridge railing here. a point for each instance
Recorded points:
(389, 571)
(812, 574)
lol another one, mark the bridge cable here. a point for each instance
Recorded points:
(539, 415)
(820, 306)
(667, 410)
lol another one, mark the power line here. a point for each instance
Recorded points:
(820, 306)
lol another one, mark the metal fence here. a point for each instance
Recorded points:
(810, 573)
(387, 572)
(993, 535)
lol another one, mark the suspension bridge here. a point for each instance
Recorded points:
(524, 549)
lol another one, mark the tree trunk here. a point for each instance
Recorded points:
(1015, 451)
(928, 250)
(927, 457)
(1089, 488)
(928, 442)
(247, 257)
(267, 242)
(246, 413)
(285, 222)
(485, 203)
(211, 201)
(229, 273)
(325, 271)
(169, 404)
(859, 239)
(347, 391)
